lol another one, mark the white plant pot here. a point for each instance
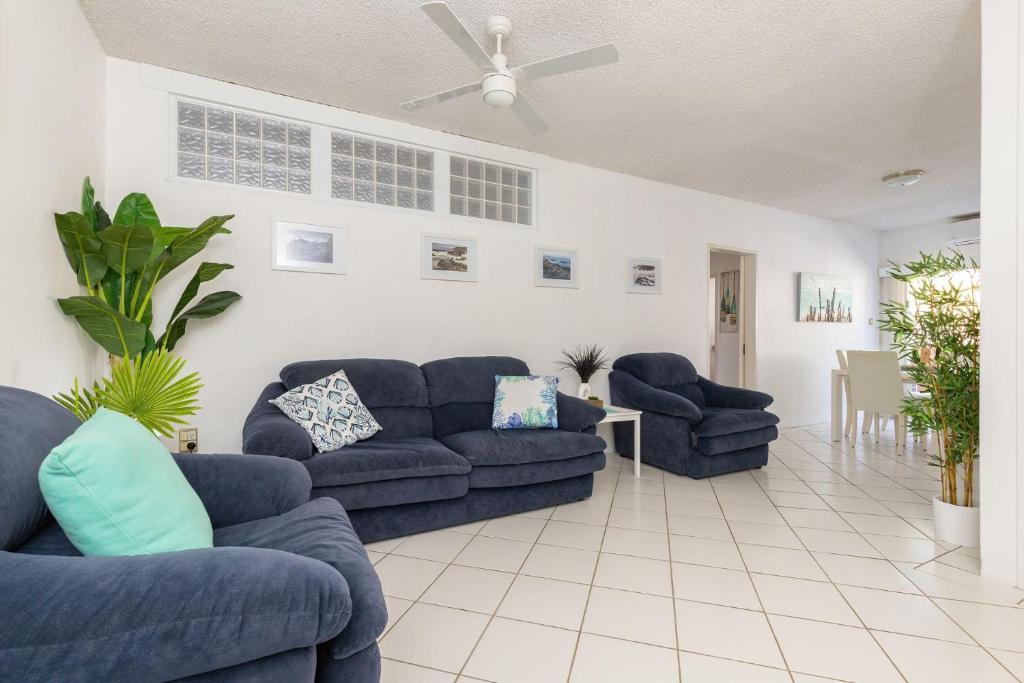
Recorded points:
(584, 390)
(956, 523)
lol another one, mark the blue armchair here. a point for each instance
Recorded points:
(287, 594)
(690, 425)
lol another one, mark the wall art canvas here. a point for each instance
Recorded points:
(445, 257)
(728, 286)
(556, 267)
(643, 275)
(310, 248)
(825, 299)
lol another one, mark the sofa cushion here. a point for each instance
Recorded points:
(658, 369)
(490, 447)
(721, 421)
(389, 492)
(497, 476)
(320, 529)
(384, 459)
(31, 426)
(330, 411)
(736, 441)
(461, 390)
(525, 402)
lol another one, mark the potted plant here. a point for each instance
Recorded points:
(119, 262)
(937, 334)
(584, 360)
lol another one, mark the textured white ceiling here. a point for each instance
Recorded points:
(799, 104)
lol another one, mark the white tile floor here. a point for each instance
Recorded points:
(820, 566)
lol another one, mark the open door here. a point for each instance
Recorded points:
(732, 317)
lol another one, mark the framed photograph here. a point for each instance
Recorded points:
(445, 257)
(728, 285)
(825, 299)
(643, 275)
(556, 267)
(310, 248)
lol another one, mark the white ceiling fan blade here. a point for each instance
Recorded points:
(442, 96)
(584, 59)
(528, 116)
(442, 15)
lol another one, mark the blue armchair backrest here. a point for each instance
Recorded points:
(668, 371)
(30, 426)
(394, 391)
(462, 391)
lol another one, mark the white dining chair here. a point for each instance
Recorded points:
(876, 386)
(851, 415)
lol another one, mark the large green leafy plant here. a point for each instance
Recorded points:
(938, 332)
(120, 262)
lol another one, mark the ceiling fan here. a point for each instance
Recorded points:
(499, 81)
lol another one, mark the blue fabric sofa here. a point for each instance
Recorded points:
(437, 462)
(690, 425)
(287, 594)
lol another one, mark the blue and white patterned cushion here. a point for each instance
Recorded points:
(525, 402)
(330, 411)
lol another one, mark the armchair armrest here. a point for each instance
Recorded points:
(637, 394)
(164, 616)
(241, 488)
(268, 431)
(721, 396)
(577, 415)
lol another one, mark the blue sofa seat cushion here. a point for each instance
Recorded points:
(490, 447)
(378, 494)
(721, 421)
(383, 460)
(737, 441)
(320, 529)
(498, 476)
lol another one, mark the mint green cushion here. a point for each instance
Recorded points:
(116, 490)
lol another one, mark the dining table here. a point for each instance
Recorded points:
(838, 375)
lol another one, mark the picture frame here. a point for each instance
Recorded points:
(309, 248)
(448, 257)
(728, 298)
(554, 267)
(824, 298)
(644, 275)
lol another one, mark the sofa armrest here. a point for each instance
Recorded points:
(241, 488)
(576, 414)
(721, 396)
(268, 431)
(642, 396)
(162, 617)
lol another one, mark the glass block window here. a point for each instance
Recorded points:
(481, 189)
(244, 149)
(381, 172)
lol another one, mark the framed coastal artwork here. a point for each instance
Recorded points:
(556, 267)
(445, 257)
(728, 286)
(643, 275)
(825, 299)
(310, 248)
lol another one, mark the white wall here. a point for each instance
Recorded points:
(906, 244)
(1002, 303)
(383, 308)
(52, 74)
(727, 345)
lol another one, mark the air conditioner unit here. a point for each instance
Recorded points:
(963, 242)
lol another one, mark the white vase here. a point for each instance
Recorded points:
(956, 523)
(584, 390)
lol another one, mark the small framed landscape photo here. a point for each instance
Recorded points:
(444, 257)
(310, 248)
(643, 275)
(556, 267)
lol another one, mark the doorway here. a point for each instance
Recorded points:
(732, 316)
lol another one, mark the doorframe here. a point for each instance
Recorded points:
(748, 311)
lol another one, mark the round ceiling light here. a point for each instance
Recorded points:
(903, 178)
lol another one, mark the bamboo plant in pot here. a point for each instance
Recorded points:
(119, 262)
(585, 361)
(937, 334)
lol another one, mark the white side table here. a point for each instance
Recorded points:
(617, 414)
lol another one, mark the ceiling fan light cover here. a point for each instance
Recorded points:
(499, 90)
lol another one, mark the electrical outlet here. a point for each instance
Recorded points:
(188, 440)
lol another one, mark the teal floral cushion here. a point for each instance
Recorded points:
(330, 411)
(525, 402)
